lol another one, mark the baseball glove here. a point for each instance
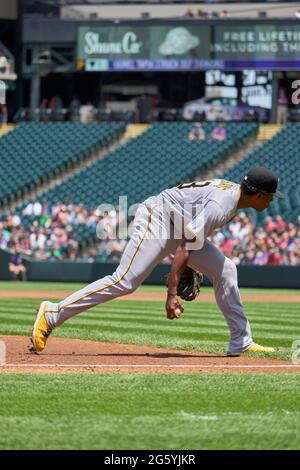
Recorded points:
(189, 285)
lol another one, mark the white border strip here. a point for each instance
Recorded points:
(178, 366)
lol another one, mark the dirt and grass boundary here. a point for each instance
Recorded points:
(74, 355)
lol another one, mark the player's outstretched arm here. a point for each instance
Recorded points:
(174, 307)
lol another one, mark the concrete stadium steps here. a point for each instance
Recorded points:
(134, 130)
(5, 129)
(268, 131)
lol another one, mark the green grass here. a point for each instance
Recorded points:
(68, 286)
(201, 328)
(186, 412)
(196, 411)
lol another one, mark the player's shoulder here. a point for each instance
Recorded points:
(225, 194)
(222, 184)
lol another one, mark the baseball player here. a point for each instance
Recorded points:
(179, 221)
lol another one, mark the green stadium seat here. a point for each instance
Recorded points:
(281, 154)
(47, 149)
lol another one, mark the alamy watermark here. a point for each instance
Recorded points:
(154, 219)
(2, 353)
(296, 93)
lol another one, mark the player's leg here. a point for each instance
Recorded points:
(143, 252)
(23, 272)
(12, 271)
(222, 273)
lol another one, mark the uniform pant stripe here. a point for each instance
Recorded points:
(126, 272)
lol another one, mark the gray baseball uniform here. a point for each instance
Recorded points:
(191, 211)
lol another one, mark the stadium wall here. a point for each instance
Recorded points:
(4, 260)
(72, 271)
(9, 10)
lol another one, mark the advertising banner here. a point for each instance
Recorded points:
(263, 46)
(166, 47)
(189, 47)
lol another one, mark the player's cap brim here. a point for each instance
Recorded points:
(279, 195)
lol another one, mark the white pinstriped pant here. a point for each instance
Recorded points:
(142, 254)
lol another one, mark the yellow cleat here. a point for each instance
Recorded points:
(41, 329)
(254, 348)
(259, 349)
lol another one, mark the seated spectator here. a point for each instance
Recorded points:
(197, 133)
(269, 225)
(189, 13)
(44, 110)
(16, 266)
(74, 109)
(86, 113)
(280, 224)
(3, 115)
(75, 103)
(55, 103)
(219, 132)
(282, 106)
(223, 14)
(201, 13)
(44, 103)
(261, 258)
(274, 257)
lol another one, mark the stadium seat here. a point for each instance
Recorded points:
(42, 151)
(280, 154)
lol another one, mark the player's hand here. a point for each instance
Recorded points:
(173, 307)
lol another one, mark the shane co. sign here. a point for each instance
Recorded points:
(128, 44)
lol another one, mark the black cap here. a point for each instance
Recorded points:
(262, 180)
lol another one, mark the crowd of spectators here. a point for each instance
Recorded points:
(275, 243)
(49, 233)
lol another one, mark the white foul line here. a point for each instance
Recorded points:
(178, 366)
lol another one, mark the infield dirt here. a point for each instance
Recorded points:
(74, 355)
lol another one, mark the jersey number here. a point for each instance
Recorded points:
(194, 184)
(222, 184)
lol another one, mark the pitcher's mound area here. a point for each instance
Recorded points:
(74, 355)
